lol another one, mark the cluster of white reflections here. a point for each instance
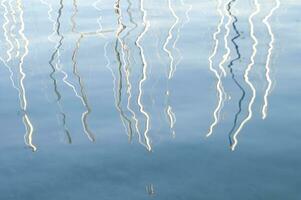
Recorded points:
(137, 25)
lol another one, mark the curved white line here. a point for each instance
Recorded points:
(219, 86)
(246, 76)
(146, 25)
(6, 33)
(268, 60)
(29, 127)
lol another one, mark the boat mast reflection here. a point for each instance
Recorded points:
(246, 75)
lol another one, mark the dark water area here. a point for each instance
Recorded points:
(137, 99)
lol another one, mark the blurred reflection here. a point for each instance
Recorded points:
(16, 43)
(55, 64)
(246, 75)
(230, 66)
(226, 55)
(150, 190)
(146, 25)
(219, 86)
(83, 97)
(268, 60)
(8, 42)
(118, 95)
(6, 30)
(28, 125)
(127, 60)
(169, 111)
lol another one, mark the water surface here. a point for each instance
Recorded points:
(174, 99)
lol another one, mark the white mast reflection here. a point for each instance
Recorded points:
(28, 125)
(146, 25)
(246, 75)
(268, 60)
(219, 86)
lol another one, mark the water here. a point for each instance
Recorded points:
(172, 99)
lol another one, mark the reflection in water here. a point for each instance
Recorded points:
(8, 41)
(128, 68)
(219, 86)
(169, 37)
(7, 30)
(172, 67)
(83, 97)
(268, 60)
(16, 43)
(226, 55)
(150, 190)
(118, 95)
(28, 125)
(127, 49)
(55, 66)
(233, 40)
(246, 75)
(146, 25)
(22, 75)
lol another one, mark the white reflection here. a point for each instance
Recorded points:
(7, 31)
(146, 25)
(246, 75)
(268, 60)
(226, 55)
(28, 125)
(219, 86)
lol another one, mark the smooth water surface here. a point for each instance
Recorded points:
(139, 99)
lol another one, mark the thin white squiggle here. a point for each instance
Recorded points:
(29, 127)
(146, 25)
(12, 27)
(219, 86)
(172, 65)
(169, 37)
(246, 76)
(268, 60)
(6, 33)
(100, 17)
(121, 28)
(11, 76)
(13, 15)
(226, 55)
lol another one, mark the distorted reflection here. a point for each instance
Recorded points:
(230, 66)
(219, 85)
(146, 25)
(268, 60)
(246, 75)
(55, 64)
(124, 38)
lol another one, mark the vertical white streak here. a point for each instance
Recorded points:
(268, 60)
(226, 55)
(6, 31)
(146, 25)
(169, 37)
(246, 76)
(29, 127)
(219, 86)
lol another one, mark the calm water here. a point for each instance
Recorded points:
(138, 99)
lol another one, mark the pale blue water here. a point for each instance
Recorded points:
(118, 100)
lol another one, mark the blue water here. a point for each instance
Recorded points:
(174, 99)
